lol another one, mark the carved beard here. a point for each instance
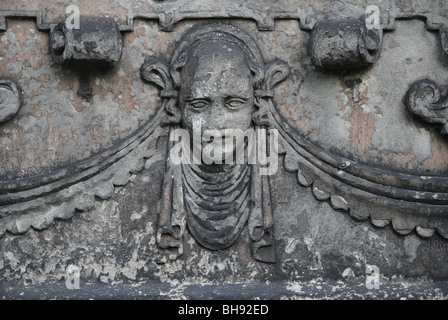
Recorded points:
(216, 202)
(217, 199)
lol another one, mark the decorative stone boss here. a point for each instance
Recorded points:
(217, 80)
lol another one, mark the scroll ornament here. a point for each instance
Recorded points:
(97, 44)
(423, 98)
(424, 101)
(344, 45)
(10, 99)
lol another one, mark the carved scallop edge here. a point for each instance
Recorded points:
(40, 213)
(340, 202)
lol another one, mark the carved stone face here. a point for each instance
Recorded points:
(217, 88)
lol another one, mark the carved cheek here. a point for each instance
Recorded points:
(191, 120)
(242, 119)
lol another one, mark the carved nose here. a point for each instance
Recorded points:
(217, 118)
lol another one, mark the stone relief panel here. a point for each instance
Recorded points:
(90, 115)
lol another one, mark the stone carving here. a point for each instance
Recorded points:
(406, 201)
(424, 101)
(216, 77)
(10, 99)
(170, 12)
(443, 35)
(344, 45)
(349, 148)
(93, 44)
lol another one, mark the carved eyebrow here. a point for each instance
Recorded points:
(245, 98)
(192, 98)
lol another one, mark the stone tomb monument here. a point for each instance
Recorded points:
(246, 149)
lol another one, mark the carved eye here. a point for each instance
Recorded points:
(198, 105)
(235, 103)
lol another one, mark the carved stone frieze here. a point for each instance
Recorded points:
(121, 119)
(169, 13)
(399, 198)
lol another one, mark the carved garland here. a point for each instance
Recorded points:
(408, 202)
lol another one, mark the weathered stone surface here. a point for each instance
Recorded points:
(361, 180)
(344, 45)
(10, 99)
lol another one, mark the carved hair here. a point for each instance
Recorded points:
(265, 76)
(213, 32)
